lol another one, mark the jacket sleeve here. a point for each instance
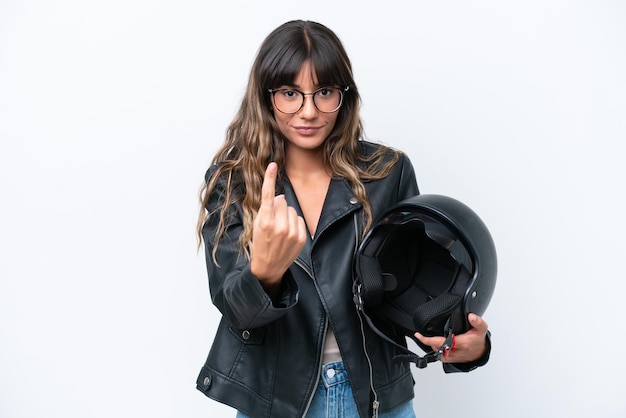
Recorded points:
(235, 291)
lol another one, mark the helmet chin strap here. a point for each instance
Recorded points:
(408, 355)
(434, 355)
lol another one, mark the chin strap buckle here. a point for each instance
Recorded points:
(448, 345)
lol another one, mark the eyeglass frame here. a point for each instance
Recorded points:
(342, 90)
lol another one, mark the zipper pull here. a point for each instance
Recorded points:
(375, 406)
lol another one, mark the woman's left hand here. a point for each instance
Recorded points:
(470, 345)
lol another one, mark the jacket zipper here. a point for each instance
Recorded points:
(319, 368)
(375, 402)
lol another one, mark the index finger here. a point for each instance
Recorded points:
(269, 185)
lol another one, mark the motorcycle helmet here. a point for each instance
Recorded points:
(426, 263)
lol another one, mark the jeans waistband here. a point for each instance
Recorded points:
(333, 374)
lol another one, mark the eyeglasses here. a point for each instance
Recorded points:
(325, 99)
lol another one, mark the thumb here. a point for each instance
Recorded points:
(477, 323)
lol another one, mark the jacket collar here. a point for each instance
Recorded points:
(340, 201)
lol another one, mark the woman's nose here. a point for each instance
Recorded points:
(308, 109)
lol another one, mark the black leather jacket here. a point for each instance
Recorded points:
(266, 357)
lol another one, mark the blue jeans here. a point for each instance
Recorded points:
(333, 397)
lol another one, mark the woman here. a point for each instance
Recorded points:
(289, 195)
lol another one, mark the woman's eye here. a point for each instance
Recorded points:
(325, 92)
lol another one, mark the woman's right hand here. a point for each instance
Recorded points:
(278, 235)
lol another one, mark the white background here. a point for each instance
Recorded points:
(111, 110)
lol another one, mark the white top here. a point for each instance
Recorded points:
(331, 349)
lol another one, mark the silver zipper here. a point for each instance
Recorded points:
(319, 369)
(375, 403)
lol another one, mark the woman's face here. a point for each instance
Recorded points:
(308, 128)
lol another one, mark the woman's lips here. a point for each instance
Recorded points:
(306, 130)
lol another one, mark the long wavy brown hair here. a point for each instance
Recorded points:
(253, 139)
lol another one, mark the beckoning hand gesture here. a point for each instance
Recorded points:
(278, 235)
